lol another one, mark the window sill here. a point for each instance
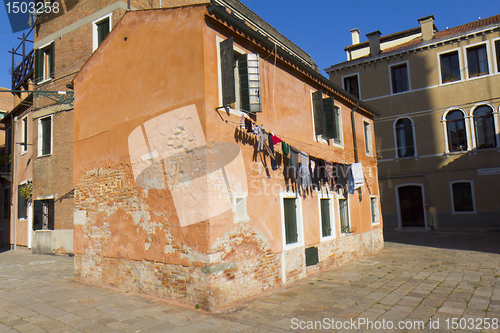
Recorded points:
(327, 238)
(292, 246)
(450, 82)
(24, 153)
(46, 155)
(45, 81)
(464, 213)
(400, 92)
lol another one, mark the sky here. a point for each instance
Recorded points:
(322, 27)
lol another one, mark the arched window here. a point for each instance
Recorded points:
(404, 138)
(484, 127)
(457, 136)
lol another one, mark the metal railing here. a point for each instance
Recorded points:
(24, 70)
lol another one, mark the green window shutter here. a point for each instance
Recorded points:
(51, 214)
(102, 30)
(227, 71)
(249, 71)
(290, 220)
(22, 205)
(312, 257)
(38, 65)
(52, 57)
(325, 217)
(318, 112)
(37, 214)
(46, 135)
(330, 119)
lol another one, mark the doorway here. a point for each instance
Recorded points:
(411, 206)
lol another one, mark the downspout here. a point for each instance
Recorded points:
(14, 180)
(355, 143)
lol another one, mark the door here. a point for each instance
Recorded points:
(411, 206)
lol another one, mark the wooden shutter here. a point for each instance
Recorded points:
(312, 257)
(39, 65)
(325, 217)
(51, 214)
(318, 112)
(52, 57)
(227, 71)
(249, 71)
(38, 214)
(290, 220)
(46, 135)
(330, 127)
(102, 30)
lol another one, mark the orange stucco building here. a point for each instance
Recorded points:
(173, 194)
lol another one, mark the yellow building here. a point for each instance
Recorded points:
(438, 140)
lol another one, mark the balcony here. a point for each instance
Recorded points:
(22, 62)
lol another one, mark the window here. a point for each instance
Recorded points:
(101, 28)
(45, 137)
(477, 61)
(240, 207)
(399, 78)
(374, 210)
(326, 118)
(462, 197)
(24, 133)
(497, 52)
(457, 138)
(484, 127)
(6, 203)
(351, 85)
(450, 67)
(22, 203)
(368, 138)
(345, 225)
(43, 218)
(404, 138)
(291, 216)
(240, 76)
(290, 208)
(326, 218)
(44, 63)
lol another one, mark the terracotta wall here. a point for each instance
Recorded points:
(145, 122)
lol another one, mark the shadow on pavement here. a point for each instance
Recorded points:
(483, 241)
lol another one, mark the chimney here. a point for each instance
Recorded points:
(355, 36)
(427, 25)
(374, 41)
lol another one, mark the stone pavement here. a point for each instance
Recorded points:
(413, 284)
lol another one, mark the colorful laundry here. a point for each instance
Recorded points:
(304, 170)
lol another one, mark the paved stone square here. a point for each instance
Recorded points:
(429, 284)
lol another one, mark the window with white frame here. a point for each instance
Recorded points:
(345, 224)
(24, 135)
(367, 128)
(44, 63)
(45, 136)
(484, 127)
(240, 78)
(456, 131)
(477, 61)
(326, 216)
(291, 213)
(327, 120)
(240, 207)
(100, 29)
(351, 84)
(400, 80)
(374, 210)
(450, 67)
(404, 137)
(462, 196)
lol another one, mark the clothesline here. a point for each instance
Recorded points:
(287, 139)
(322, 170)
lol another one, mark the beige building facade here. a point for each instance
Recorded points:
(438, 139)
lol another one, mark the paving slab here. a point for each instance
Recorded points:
(419, 276)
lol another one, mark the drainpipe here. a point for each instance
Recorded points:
(355, 143)
(14, 180)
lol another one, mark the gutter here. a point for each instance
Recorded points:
(224, 15)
